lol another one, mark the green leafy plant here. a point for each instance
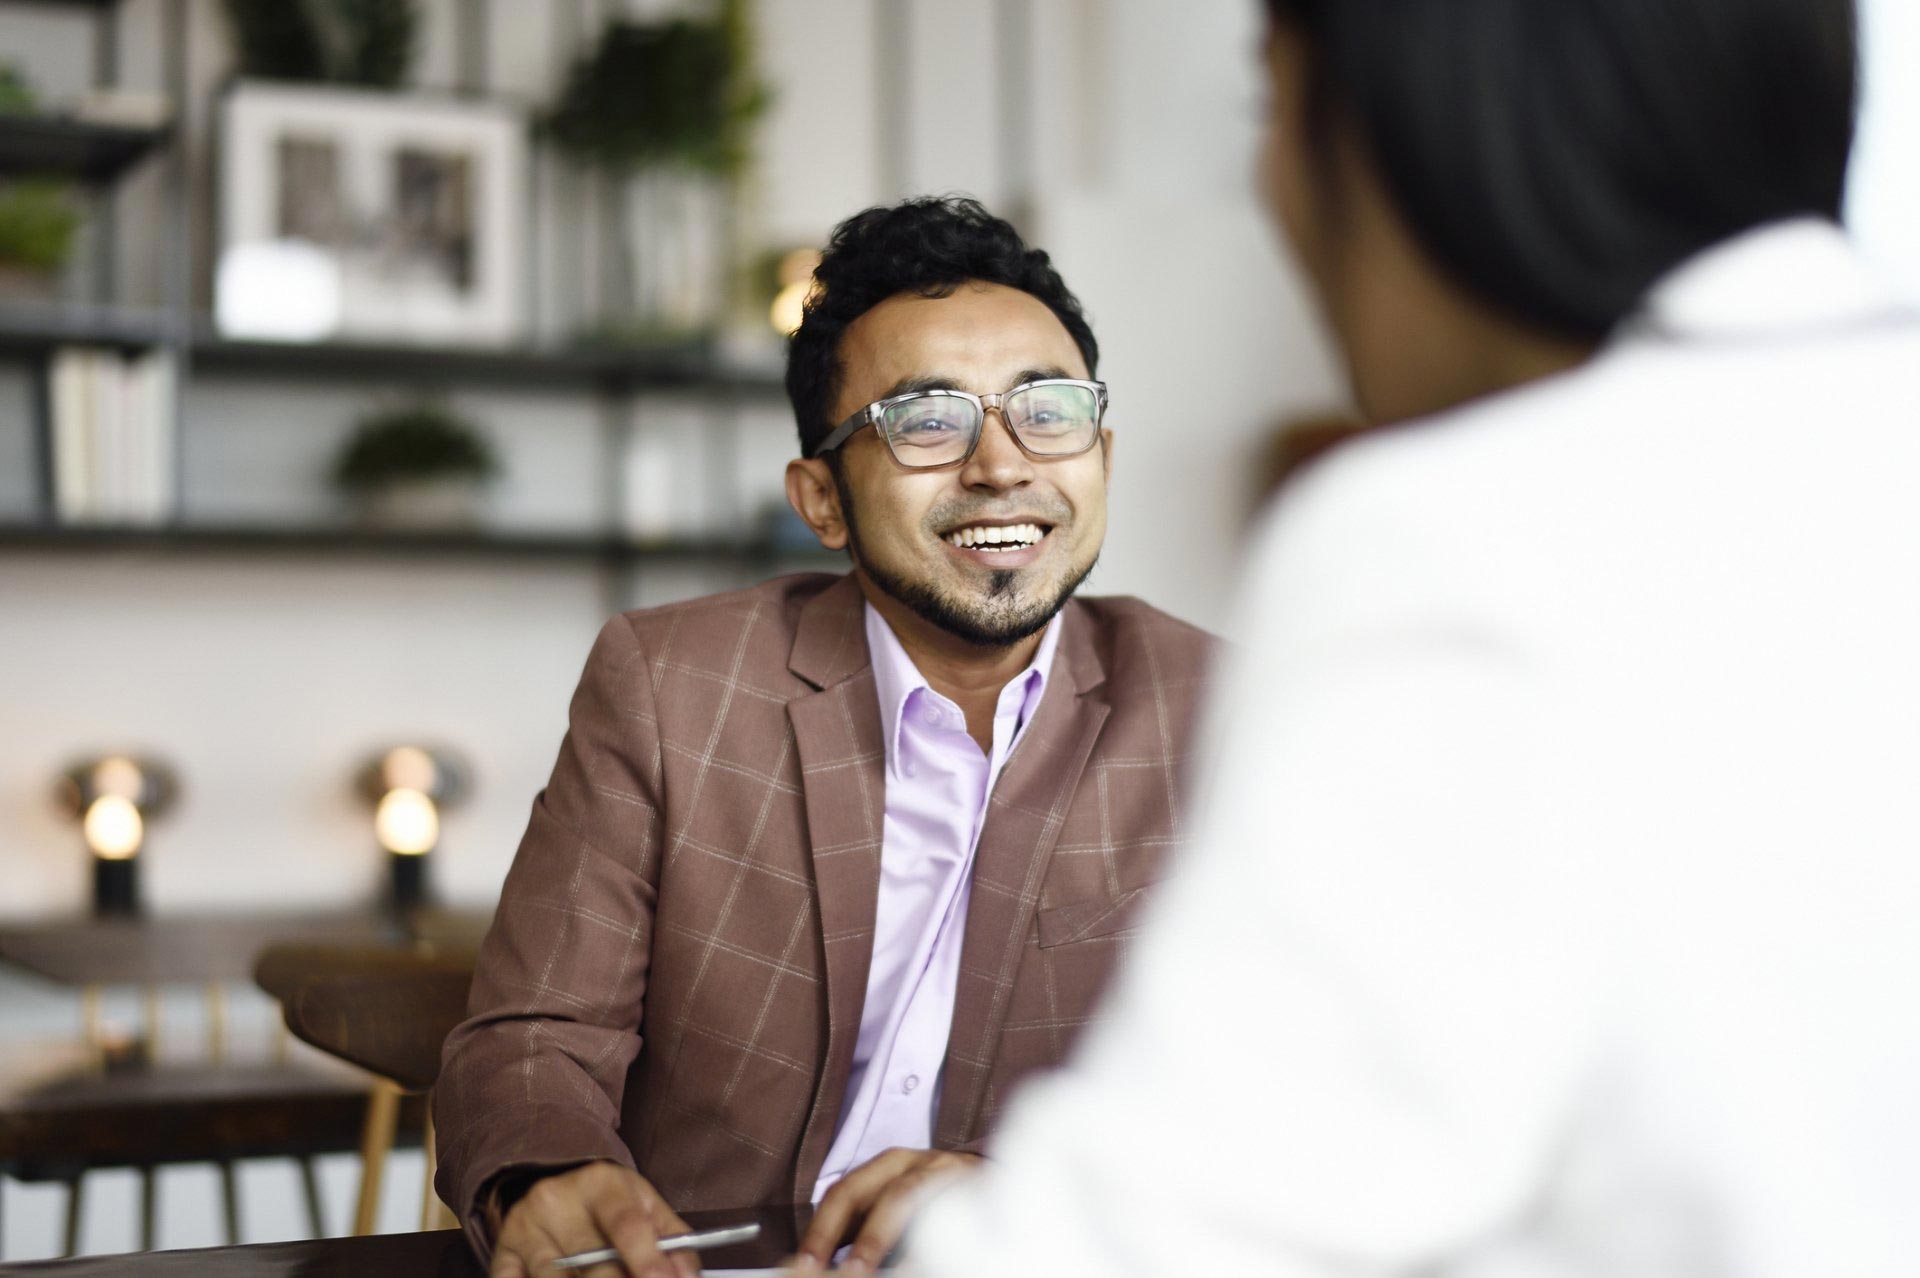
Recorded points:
(676, 93)
(365, 42)
(413, 442)
(16, 95)
(38, 221)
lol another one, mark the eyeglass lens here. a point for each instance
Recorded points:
(938, 428)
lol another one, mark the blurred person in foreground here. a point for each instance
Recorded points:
(828, 864)
(1551, 910)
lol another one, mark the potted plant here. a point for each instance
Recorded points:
(38, 222)
(16, 95)
(364, 42)
(418, 465)
(665, 111)
(38, 217)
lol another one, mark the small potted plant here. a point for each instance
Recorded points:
(38, 218)
(416, 466)
(665, 110)
(38, 222)
(16, 95)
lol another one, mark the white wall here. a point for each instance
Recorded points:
(1884, 198)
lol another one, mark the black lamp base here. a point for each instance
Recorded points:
(116, 887)
(409, 881)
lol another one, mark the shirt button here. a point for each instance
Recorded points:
(934, 716)
(909, 1083)
(910, 767)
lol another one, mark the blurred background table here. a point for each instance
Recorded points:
(203, 949)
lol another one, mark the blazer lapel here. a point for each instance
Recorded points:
(1024, 816)
(843, 777)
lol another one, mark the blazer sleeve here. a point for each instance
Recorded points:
(533, 1079)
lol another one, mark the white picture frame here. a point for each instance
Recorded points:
(414, 205)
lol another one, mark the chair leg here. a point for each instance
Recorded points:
(149, 1191)
(376, 1142)
(71, 1247)
(427, 1200)
(230, 1202)
(310, 1189)
(434, 1214)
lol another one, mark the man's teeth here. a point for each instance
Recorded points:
(1012, 537)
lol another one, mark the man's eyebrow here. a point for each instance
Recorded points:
(914, 385)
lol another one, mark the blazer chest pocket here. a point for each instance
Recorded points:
(1087, 920)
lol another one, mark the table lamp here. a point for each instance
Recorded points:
(113, 797)
(408, 785)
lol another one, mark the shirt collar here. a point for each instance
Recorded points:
(1781, 278)
(896, 678)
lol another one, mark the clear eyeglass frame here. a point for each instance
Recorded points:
(875, 415)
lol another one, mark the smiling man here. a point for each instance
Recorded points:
(826, 866)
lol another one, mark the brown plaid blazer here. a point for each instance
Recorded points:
(675, 976)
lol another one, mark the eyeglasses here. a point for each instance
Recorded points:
(1054, 417)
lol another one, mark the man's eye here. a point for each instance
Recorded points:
(1050, 417)
(926, 426)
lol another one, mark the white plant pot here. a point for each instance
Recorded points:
(422, 504)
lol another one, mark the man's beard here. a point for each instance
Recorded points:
(998, 621)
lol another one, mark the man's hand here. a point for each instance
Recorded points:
(598, 1205)
(872, 1205)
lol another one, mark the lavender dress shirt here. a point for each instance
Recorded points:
(937, 786)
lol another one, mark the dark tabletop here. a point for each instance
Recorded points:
(440, 1254)
(198, 949)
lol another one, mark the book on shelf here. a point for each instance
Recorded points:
(114, 435)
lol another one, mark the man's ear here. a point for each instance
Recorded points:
(816, 499)
(1106, 453)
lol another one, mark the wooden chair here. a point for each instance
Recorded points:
(74, 1108)
(386, 1009)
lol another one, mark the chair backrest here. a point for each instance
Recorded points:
(385, 1009)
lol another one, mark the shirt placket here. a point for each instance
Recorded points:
(928, 1020)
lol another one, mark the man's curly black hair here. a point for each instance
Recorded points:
(928, 246)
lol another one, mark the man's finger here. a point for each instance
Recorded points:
(846, 1204)
(828, 1226)
(634, 1219)
(887, 1220)
(668, 1222)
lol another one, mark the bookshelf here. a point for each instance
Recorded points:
(34, 335)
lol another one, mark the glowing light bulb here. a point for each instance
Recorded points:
(407, 823)
(113, 828)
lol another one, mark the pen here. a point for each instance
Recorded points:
(700, 1240)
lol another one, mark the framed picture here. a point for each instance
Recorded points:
(353, 213)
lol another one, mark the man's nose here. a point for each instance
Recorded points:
(998, 462)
